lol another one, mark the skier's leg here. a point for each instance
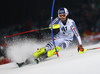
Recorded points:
(47, 51)
(48, 47)
(47, 54)
(65, 44)
(61, 43)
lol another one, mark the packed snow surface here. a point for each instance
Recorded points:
(69, 62)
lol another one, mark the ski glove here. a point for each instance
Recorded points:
(80, 49)
(54, 26)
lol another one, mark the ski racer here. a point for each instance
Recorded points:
(63, 39)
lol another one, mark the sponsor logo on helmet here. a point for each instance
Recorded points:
(61, 11)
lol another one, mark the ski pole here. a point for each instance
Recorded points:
(55, 26)
(93, 48)
(52, 28)
(25, 32)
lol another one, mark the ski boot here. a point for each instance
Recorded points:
(39, 52)
(53, 52)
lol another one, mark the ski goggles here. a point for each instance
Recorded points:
(62, 15)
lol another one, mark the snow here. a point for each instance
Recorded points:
(69, 62)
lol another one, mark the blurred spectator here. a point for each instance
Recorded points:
(3, 57)
(4, 60)
(3, 49)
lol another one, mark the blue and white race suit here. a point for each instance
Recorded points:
(65, 36)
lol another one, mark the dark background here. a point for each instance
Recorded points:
(22, 15)
(19, 11)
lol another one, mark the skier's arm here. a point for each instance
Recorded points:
(75, 31)
(55, 21)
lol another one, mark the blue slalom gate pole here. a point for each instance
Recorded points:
(52, 28)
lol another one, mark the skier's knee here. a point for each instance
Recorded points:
(53, 52)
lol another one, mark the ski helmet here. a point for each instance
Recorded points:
(63, 11)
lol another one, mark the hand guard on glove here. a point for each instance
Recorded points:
(80, 49)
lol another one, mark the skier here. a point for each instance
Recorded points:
(63, 39)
